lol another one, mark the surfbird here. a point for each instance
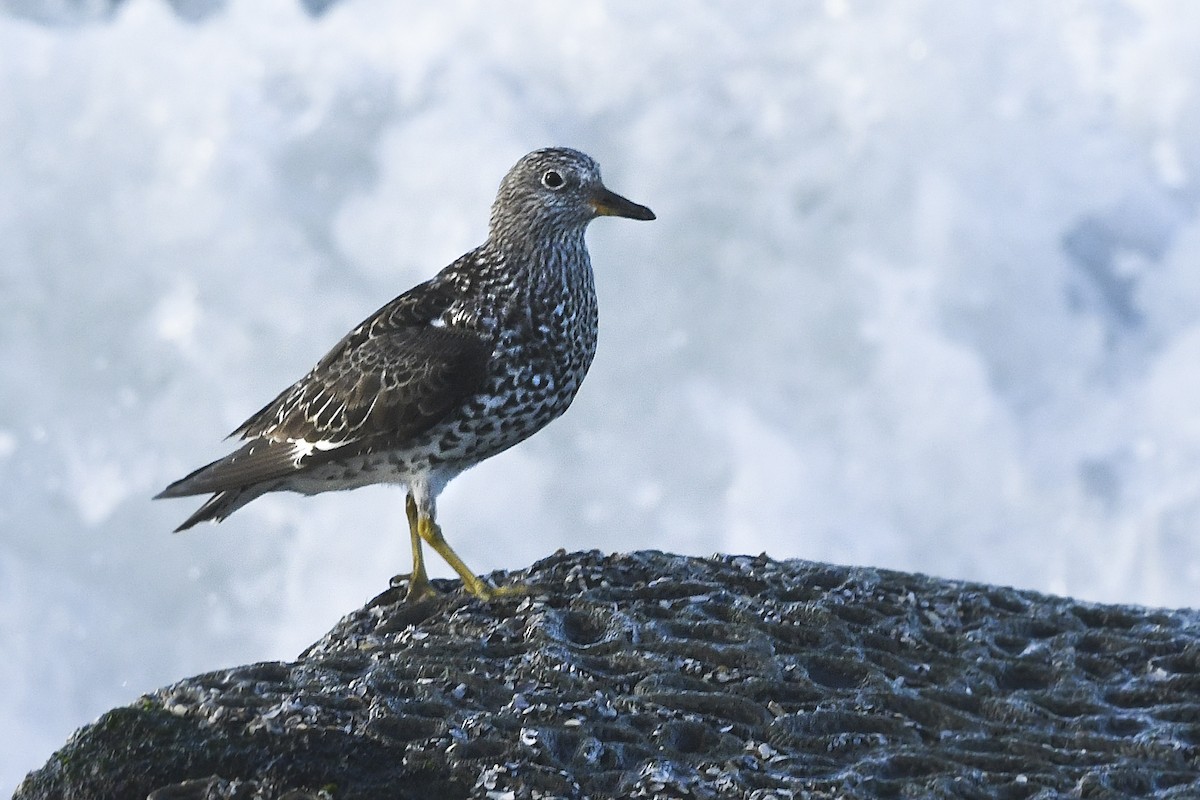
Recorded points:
(455, 370)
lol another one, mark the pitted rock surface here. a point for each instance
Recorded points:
(653, 675)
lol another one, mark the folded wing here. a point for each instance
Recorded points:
(380, 387)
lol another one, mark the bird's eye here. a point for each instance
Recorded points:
(553, 179)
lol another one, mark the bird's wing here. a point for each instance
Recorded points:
(380, 391)
(397, 383)
(391, 378)
(397, 373)
(259, 461)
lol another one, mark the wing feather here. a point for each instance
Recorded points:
(256, 462)
(396, 384)
(388, 380)
(395, 373)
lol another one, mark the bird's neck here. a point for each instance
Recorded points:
(536, 248)
(552, 269)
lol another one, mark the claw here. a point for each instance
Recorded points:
(489, 593)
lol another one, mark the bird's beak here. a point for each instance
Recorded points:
(611, 204)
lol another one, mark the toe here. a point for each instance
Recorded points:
(420, 590)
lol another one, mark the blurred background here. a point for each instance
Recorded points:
(923, 294)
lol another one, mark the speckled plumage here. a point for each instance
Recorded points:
(452, 372)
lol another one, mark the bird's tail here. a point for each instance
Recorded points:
(234, 480)
(220, 506)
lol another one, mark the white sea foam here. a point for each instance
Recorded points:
(922, 294)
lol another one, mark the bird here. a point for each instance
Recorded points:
(452, 372)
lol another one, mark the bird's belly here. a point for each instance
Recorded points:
(491, 424)
(530, 388)
(357, 471)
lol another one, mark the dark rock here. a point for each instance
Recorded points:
(652, 675)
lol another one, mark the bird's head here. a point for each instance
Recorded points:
(556, 191)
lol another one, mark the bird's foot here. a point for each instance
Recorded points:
(488, 593)
(419, 588)
(424, 528)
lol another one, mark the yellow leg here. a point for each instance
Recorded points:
(418, 583)
(432, 533)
